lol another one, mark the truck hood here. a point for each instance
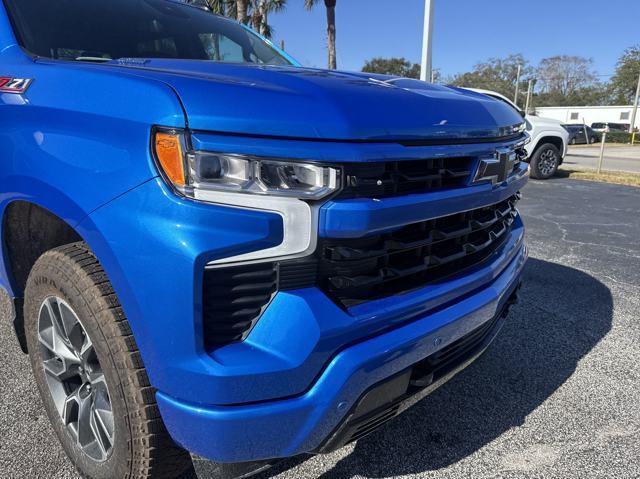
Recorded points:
(541, 121)
(308, 103)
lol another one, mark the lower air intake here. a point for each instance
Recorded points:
(233, 300)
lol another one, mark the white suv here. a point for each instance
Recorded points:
(549, 140)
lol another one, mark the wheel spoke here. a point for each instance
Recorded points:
(87, 353)
(85, 433)
(102, 427)
(60, 369)
(70, 409)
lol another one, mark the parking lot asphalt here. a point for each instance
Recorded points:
(616, 157)
(556, 396)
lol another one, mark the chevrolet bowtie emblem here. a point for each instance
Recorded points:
(496, 169)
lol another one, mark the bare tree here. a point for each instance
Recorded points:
(496, 74)
(565, 75)
(330, 5)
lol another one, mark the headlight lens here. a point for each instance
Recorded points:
(242, 174)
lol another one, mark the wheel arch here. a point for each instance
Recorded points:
(28, 230)
(554, 140)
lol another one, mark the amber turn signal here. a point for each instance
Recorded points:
(168, 149)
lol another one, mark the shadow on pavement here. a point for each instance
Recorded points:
(563, 314)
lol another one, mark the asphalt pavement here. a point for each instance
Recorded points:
(556, 396)
(616, 157)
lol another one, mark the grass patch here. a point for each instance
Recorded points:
(615, 177)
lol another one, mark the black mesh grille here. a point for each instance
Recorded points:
(233, 299)
(353, 271)
(392, 178)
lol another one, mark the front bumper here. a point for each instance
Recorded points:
(285, 388)
(287, 427)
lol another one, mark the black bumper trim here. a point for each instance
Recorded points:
(386, 400)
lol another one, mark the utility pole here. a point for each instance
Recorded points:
(635, 112)
(515, 99)
(427, 37)
(526, 108)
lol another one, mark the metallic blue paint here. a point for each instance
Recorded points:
(77, 143)
(289, 101)
(299, 424)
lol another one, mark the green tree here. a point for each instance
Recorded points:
(330, 5)
(496, 74)
(392, 66)
(598, 94)
(625, 80)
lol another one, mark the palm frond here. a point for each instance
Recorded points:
(309, 4)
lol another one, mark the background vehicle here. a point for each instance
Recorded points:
(549, 140)
(601, 127)
(581, 134)
(213, 251)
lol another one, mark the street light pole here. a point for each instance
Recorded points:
(635, 112)
(526, 108)
(515, 99)
(427, 37)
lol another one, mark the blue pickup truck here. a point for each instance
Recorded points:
(215, 253)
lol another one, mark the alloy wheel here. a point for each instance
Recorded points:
(75, 379)
(548, 162)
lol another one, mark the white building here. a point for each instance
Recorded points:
(589, 114)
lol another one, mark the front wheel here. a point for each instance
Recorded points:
(90, 374)
(545, 162)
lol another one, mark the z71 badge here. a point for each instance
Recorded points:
(14, 85)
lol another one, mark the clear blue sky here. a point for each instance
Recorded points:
(466, 31)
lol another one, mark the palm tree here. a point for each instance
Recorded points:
(331, 28)
(245, 11)
(242, 11)
(260, 14)
(218, 6)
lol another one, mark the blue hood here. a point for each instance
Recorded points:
(319, 104)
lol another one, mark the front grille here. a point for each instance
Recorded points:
(233, 300)
(353, 271)
(393, 178)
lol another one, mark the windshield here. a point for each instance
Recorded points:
(99, 30)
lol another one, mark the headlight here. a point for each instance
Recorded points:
(286, 187)
(210, 171)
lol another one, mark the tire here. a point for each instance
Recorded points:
(545, 162)
(592, 140)
(94, 376)
(573, 141)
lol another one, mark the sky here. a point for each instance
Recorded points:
(465, 31)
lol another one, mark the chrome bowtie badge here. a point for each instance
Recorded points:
(497, 169)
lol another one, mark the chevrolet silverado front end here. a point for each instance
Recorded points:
(212, 249)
